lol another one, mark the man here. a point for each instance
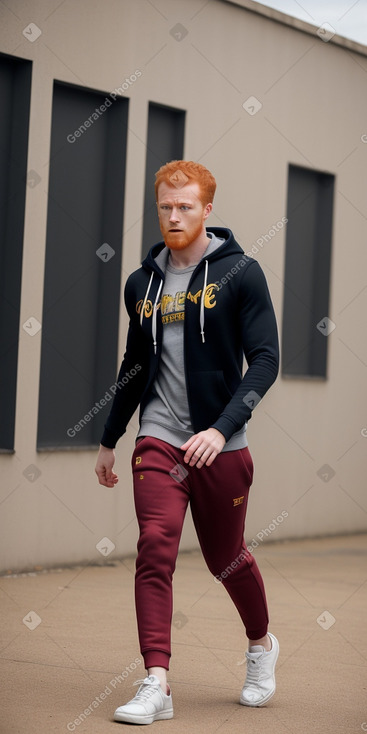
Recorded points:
(197, 306)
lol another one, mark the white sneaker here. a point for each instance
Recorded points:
(259, 685)
(148, 705)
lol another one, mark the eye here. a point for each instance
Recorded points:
(184, 207)
(164, 207)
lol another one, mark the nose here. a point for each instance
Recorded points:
(174, 215)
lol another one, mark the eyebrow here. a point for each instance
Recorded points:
(179, 203)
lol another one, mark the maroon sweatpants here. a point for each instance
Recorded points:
(163, 487)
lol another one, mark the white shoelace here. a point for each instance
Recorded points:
(253, 671)
(146, 689)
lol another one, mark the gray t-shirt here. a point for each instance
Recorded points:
(167, 414)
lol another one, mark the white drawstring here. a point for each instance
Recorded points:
(202, 304)
(145, 299)
(154, 322)
(154, 314)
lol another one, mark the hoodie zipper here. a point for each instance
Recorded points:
(154, 312)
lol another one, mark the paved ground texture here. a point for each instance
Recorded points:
(69, 654)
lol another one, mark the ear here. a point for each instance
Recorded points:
(207, 210)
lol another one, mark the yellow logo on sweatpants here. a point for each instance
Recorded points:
(138, 460)
(141, 476)
(238, 500)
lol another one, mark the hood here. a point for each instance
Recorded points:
(228, 248)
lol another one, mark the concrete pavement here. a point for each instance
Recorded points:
(69, 653)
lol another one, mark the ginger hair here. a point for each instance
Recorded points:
(180, 173)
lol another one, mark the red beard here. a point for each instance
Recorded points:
(181, 240)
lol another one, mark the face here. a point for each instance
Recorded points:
(181, 214)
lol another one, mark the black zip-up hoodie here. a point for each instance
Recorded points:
(228, 315)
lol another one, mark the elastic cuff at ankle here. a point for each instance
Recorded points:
(257, 634)
(156, 659)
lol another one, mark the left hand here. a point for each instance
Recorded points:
(202, 448)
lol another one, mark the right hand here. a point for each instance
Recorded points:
(104, 466)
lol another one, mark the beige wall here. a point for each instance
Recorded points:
(314, 112)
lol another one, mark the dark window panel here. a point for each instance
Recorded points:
(307, 272)
(15, 90)
(81, 289)
(166, 127)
